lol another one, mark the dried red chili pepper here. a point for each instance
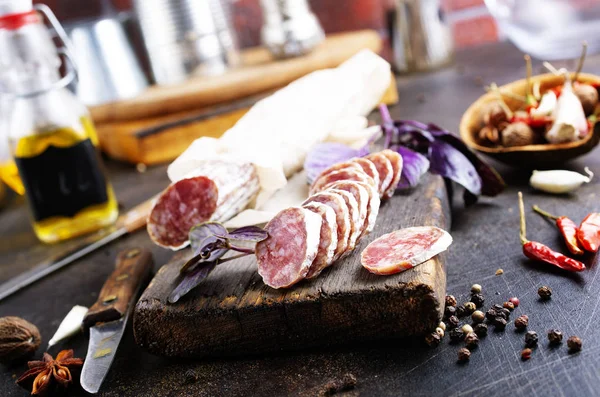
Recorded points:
(589, 232)
(540, 252)
(533, 122)
(567, 228)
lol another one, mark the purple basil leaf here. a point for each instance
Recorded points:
(324, 155)
(248, 233)
(492, 182)
(200, 232)
(449, 162)
(191, 280)
(211, 249)
(387, 125)
(414, 167)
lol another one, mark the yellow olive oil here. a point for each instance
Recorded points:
(9, 174)
(62, 175)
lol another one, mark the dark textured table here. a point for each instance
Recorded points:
(485, 239)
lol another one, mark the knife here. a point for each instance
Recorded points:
(107, 318)
(127, 223)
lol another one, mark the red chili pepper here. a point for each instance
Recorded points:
(567, 228)
(540, 252)
(534, 122)
(589, 232)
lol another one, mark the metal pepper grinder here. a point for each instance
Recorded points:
(290, 28)
(421, 38)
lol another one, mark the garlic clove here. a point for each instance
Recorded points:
(70, 325)
(570, 123)
(559, 181)
(546, 106)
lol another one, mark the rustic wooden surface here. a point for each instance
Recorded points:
(233, 312)
(485, 239)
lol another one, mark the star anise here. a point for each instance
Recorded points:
(44, 375)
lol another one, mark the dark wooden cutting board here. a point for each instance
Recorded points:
(234, 312)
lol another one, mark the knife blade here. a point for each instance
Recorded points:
(107, 318)
(127, 223)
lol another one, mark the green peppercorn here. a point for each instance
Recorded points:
(453, 322)
(464, 355)
(531, 339)
(456, 335)
(522, 322)
(555, 337)
(451, 301)
(509, 306)
(440, 332)
(469, 307)
(471, 340)
(574, 344)
(481, 330)
(545, 292)
(475, 288)
(467, 329)
(442, 325)
(433, 339)
(478, 299)
(478, 316)
(526, 354)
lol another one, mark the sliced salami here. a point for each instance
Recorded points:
(385, 170)
(396, 161)
(358, 175)
(342, 218)
(372, 208)
(328, 242)
(404, 249)
(182, 205)
(285, 257)
(346, 165)
(361, 195)
(368, 167)
(353, 211)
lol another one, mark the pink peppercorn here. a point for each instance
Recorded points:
(514, 301)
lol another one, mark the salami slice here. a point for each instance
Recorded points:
(285, 257)
(342, 218)
(361, 195)
(368, 167)
(346, 165)
(328, 242)
(358, 175)
(385, 170)
(182, 205)
(353, 211)
(372, 208)
(404, 249)
(396, 161)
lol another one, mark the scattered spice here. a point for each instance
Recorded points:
(514, 301)
(545, 292)
(453, 321)
(478, 299)
(567, 228)
(555, 337)
(543, 253)
(469, 307)
(433, 339)
(481, 330)
(471, 340)
(467, 329)
(499, 272)
(475, 288)
(500, 323)
(509, 305)
(522, 322)
(45, 376)
(451, 301)
(490, 314)
(461, 311)
(456, 335)
(531, 339)
(18, 338)
(449, 311)
(440, 332)
(526, 354)
(442, 325)
(478, 316)
(574, 344)
(464, 355)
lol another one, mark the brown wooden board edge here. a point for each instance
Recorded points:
(219, 331)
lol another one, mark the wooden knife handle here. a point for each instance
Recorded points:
(135, 218)
(133, 268)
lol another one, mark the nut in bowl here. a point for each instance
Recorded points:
(518, 125)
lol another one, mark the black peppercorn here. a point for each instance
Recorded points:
(501, 315)
(449, 311)
(481, 330)
(477, 299)
(555, 337)
(464, 355)
(531, 338)
(526, 354)
(522, 322)
(471, 340)
(574, 344)
(491, 314)
(461, 311)
(433, 339)
(499, 323)
(451, 301)
(504, 311)
(452, 322)
(497, 307)
(545, 292)
(456, 335)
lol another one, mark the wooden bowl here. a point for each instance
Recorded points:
(530, 156)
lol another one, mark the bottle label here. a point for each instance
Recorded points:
(63, 181)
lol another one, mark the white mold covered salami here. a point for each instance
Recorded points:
(285, 257)
(328, 242)
(396, 162)
(404, 249)
(342, 218)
